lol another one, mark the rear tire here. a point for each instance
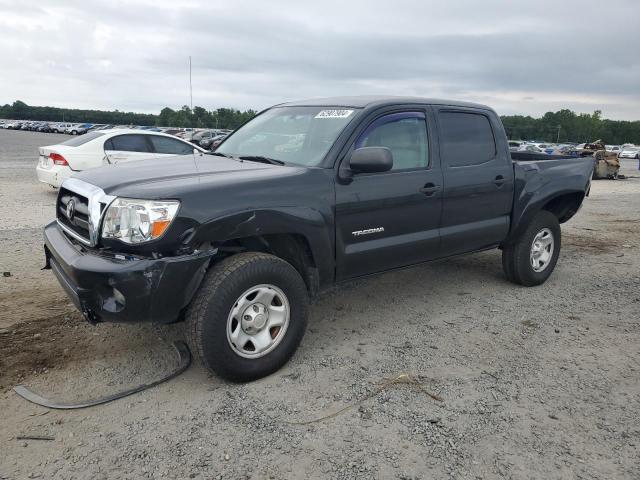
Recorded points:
(531, 258)
(229, 328)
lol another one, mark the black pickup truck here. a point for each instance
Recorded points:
(303, 196)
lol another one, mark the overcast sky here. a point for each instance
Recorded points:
(524, 57)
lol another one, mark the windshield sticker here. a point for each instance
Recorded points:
(334, 114)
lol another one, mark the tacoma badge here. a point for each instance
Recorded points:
(368, 231)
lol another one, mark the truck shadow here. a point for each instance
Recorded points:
(63, 354)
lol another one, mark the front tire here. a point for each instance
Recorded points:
(531, 258)
(248, 317)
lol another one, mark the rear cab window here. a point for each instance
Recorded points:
(466, 138)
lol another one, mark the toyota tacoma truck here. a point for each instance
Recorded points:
(302, 197)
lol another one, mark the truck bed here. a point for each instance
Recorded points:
(539, 177)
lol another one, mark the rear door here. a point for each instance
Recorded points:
(390, 219)
(478, 179)
(168, 147)
(127, 147)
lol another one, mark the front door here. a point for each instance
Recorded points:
(390, 219)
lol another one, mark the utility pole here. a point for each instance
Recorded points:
(558, 137)
(190, 86)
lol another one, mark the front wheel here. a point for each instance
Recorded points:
(248, 317)
(531, 258)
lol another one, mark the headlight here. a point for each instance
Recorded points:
(136, 221)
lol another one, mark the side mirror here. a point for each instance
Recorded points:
(371, 160)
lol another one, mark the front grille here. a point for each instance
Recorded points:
(79, 221)
(83, 220)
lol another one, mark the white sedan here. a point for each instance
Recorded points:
(630, 152)
(94, 149)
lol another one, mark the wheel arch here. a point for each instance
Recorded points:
(294, 248)
(300, 236)
(564, 205)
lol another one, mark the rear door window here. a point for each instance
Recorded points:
(170, 146)
(465, 139)
(127, 143)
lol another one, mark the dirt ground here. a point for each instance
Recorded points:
(535, 382)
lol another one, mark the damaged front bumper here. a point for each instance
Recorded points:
(123, 288)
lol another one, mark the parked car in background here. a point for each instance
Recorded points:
(60, 161)
(186, 133)
(630, 152)
(78, 128)
(173, 131)
(60, 127)
(213, 142)
(201, 135)
(613, 148)
(530, 148)
(567, 150)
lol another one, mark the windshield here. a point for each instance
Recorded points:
(298, 135)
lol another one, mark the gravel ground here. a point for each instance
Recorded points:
(535, 382)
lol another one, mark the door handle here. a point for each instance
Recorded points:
(499, 181)
(429, 189)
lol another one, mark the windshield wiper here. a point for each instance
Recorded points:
(261, 159)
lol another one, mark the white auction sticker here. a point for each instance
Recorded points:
(334, 114)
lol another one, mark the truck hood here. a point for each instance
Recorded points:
(168, 174)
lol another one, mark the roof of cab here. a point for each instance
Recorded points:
(364, 101)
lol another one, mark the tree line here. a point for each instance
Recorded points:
(561, 126)
(568, 126)
(185, 117)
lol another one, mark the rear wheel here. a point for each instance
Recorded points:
(531, 258)
(248, 317)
